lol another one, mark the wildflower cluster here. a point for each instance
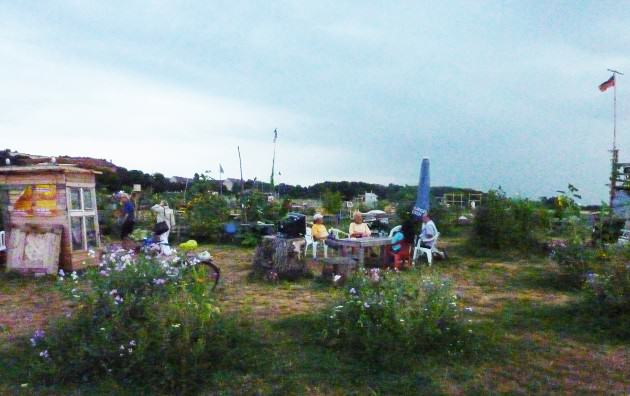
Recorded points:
(131, 315)
(384, 315)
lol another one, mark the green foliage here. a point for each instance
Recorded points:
(566, 203)
(503, 223)
(206, 214)
(255, 206)
(137, 321)
(574, 259)
(384, 317)
(608, 286)
(249, 239)
(331, 201)
(607, 228)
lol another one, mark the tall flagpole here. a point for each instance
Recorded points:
(240, 164)
(615, 151)
(273, 162)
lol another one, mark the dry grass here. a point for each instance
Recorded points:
(541, 346)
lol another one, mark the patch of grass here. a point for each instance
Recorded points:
(533, 335)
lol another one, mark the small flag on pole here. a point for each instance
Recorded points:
(275, 135)
(221, 169)
(607, 84)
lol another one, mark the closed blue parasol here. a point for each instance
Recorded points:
(424, 187)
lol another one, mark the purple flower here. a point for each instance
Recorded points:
(37, 336)
(159, 281)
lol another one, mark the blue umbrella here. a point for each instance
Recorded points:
(422, 200)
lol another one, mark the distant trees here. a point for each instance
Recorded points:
(331, 201)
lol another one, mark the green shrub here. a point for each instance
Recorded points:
(384, 317)
(206, 214)
(609, 286)
(574, 259)
(503, 223)
(138, 321)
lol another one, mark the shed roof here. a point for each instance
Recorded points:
(39, 168)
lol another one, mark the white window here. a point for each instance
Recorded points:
(83, 220)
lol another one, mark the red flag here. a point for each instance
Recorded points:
(609, 83)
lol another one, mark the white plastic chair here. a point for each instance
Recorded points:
(394, 230)
(3, 242)
(337, 233)
(308, 237)
(419, 250)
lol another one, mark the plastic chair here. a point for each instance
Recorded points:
(3, 242)
(394, 230)
(308, 237)
(420, 250)
(402, 254)
(337, 232)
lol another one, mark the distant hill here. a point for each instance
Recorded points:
(115, 178)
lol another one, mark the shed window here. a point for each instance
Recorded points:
(83, 226)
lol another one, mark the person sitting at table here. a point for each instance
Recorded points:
(405, 234)
(358, 229)
(319, 229)
(429, 230)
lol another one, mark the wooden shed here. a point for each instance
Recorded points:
(50, 217)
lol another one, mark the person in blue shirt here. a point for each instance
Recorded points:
(128, 216)
(406, 233)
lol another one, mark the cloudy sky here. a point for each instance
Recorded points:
(495, 93)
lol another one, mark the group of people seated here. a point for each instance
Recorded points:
(406, 234)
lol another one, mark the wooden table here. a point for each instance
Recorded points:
(362, 244)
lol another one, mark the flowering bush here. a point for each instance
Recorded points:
(384, 316)
(574, 259)
(142, 320)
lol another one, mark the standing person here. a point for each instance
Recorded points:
(428, 232)
(358, 229)
(128, 219)
(164, 214)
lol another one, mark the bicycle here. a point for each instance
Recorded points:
(213, 272)
(152, 246)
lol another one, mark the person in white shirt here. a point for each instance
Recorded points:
(166, 214)
(429, 230)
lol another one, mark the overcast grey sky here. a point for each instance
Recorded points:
(495, 93)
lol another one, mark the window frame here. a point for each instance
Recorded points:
(82, 213)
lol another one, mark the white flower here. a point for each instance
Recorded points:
(366, 305)
(44, 354)
(114, 291)
(61, 273)
(468, 309)
(122, 348)
(353, 291)
(336, 278)
(176, 325)
(132, 342)
(74, 275)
